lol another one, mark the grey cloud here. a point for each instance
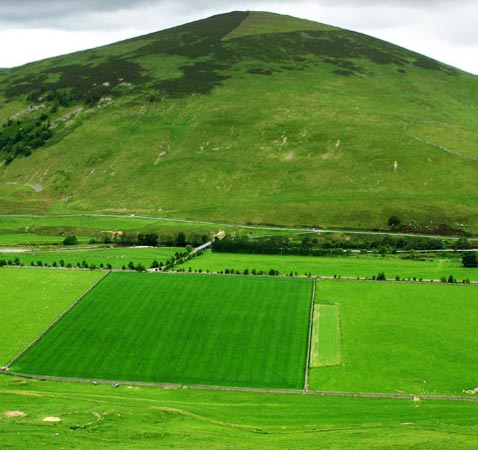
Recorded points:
(45, 13)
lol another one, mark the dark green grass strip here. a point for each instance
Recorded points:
(229, 331)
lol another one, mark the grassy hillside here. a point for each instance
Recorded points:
(243, 117)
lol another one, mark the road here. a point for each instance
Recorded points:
(311, 230)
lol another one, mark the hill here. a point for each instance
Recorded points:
(245, 117)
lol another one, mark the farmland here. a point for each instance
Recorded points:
(31, 299)
(99, 417)
(381, 325)
(229, 331)
(402, 337)
(364, 266)
(326, 337)
(116, 257)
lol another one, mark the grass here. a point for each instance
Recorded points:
(30, 299)
(398, 337)
(228, 331)
(223, 127)
(117, 257)
(326, 337)
(365, 266)
(93, 226)
(30, 239)
(99, 417)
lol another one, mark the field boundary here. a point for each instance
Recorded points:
(63, 314)
(377, 395)
(309, 338)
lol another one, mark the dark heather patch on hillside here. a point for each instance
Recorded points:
(198, 79)
(201, 39)
(84, 83)
(287, 51)
(193, 39)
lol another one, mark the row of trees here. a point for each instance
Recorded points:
(151, 239)
(313, 246)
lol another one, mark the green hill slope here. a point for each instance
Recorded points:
(243, 117)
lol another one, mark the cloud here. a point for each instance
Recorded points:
(439, 28)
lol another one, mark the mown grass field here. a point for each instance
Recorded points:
(117, 257)
(229, 331)
(326, 349)
(364, 266)
(402, 337)
(99, 417)
(31, 299)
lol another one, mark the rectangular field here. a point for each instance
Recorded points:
(31, 299)
(432, 268)
(116, 257)
(326, 337)
(189, 329)
(403, 338)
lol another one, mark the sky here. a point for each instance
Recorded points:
(36, 29)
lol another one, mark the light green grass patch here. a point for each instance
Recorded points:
(117, 257)
(326, 337)
(365, 266)
(403, 338)
(131, 418)
(31, 299)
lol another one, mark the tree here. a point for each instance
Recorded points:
(70, 240)
(394, 221)
(180, 240)
(470, 259)
(463, 244)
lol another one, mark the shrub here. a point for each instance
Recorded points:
(70, 240)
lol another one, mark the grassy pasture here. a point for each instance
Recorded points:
(351, 266)
(326, 337)
(19, 239)
(30, 299)
(99, 417)
(117, 257)
(230, 331)
(402, 337)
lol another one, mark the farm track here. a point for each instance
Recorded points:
(247, 227)
(378, 395)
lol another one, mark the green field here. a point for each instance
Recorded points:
(402, 337)
(326, 347)
(230, 331)
(30, 299)
(21, 239)
(99, 417)
(364, 266)
(116, 256)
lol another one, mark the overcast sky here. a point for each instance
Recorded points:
(35, 29)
